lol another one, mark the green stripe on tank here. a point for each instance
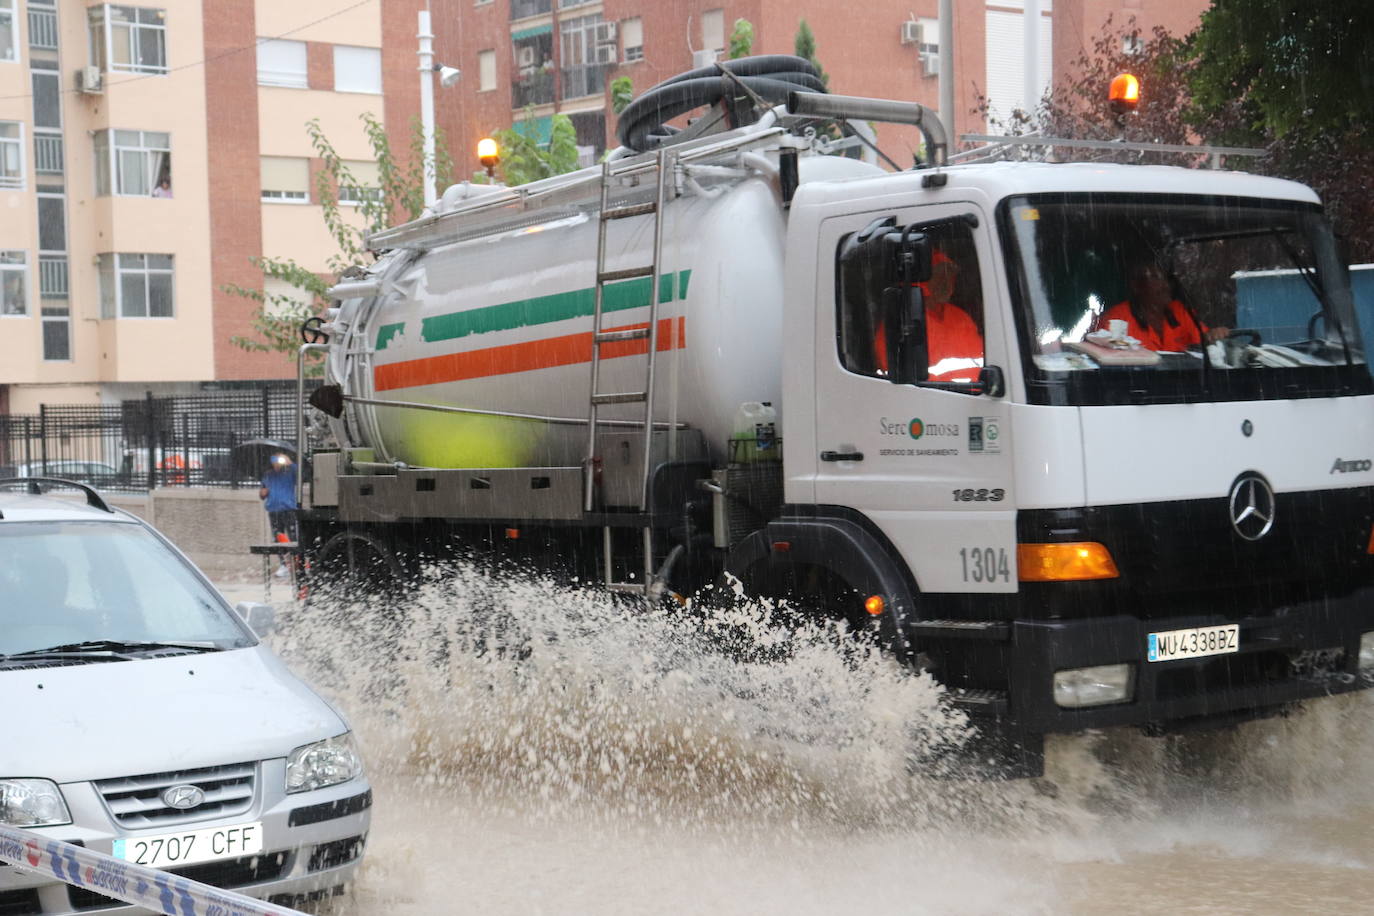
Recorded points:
(522, 313)
(386, 332)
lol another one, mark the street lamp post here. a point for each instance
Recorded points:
(426, 38)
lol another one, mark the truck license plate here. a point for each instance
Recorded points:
(1194, 643)
(190, 846)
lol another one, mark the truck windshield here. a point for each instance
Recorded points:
(1166, 299)
(63, 584)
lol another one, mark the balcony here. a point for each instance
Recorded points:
(533, 88)
(42, 29)
(52, 276)
(47, 153)
(520, 9)
(586, 79)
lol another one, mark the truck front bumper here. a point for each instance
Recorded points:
(1297, 652)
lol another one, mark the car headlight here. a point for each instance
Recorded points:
(32, 803)
(324, 763)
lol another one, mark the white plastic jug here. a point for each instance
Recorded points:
(755, 436)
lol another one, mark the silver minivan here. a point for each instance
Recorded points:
(143, 718)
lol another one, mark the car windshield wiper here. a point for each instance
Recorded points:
(109, 648)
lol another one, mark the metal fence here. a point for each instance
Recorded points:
(184, 441)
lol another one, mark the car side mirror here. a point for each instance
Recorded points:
(261, 618)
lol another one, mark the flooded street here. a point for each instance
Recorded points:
(572, 754)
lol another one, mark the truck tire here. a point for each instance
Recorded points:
(829, 565)
(355, 559)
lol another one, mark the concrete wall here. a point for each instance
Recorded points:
(213, 527)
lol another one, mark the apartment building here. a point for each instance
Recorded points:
(543, 57)
(147, 152)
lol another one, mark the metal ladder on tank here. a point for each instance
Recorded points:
(607, 214)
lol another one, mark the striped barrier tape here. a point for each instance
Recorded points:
(171, 895)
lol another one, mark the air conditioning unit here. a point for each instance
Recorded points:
(605, 33)
(88, 79)
(930, 63)
(911, 32)
(524, 56)
(703, 59)
(605, 54)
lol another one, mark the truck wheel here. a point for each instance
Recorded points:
(352, 559)
(805, 595)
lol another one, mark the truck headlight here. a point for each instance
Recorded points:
(324, 763)
(1097, 686)
(1367, 649)
(32, 803)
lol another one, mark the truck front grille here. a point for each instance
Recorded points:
(135, 802)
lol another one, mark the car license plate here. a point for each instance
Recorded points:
(1195, 643)
(190, 846)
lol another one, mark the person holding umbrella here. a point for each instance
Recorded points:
(278, 494)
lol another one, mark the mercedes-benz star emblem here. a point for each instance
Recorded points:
(1252, 506)
(182, 797)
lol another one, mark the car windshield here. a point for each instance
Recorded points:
(1160, 299)
(65, 583)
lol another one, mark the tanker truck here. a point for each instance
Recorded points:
(727, 352)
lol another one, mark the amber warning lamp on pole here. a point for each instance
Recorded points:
(1124, 94)
(488, 154)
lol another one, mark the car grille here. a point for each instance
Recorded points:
(227, 874)
(20, 903)
(136, 802)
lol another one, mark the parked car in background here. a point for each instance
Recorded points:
(95, 473)
(147, 721)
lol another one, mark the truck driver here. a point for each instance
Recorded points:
(1154, 317)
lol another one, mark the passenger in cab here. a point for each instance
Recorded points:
(954, 345)
(1155, 317)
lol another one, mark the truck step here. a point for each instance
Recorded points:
(628, 273)
(627, 212)
(627, 334)
(995, 630)
(620, 397)
(979, 702)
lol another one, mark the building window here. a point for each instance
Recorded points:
(57, 334)
(282, 63)
(632, 39)
(47, 99)
(133, 163)
(533, 82)
(584, 71)
(14, 275)
(135, 285)
(9, 49)
(1132, 44)
(486, 70)
(364, 183)
(285, 180)
(11, 154)
(357, 69)
(713, 30)
(131, 39)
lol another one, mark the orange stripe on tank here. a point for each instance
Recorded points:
(568, 350)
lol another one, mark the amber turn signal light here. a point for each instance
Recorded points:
(874, 605)
(1065, 562)
(1370, 548)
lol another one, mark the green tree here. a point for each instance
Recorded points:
(399, 196)
(622, 94)
(804, 45)
(742, 39)
(1293, 66)
(525, 159)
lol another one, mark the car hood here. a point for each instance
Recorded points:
(108, 719)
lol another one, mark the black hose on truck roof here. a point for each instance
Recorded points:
(643, 126)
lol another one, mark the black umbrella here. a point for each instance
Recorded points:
(252, 458)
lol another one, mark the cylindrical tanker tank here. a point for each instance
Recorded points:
(503, 323)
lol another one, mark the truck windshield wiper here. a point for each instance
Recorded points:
(108, 648)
